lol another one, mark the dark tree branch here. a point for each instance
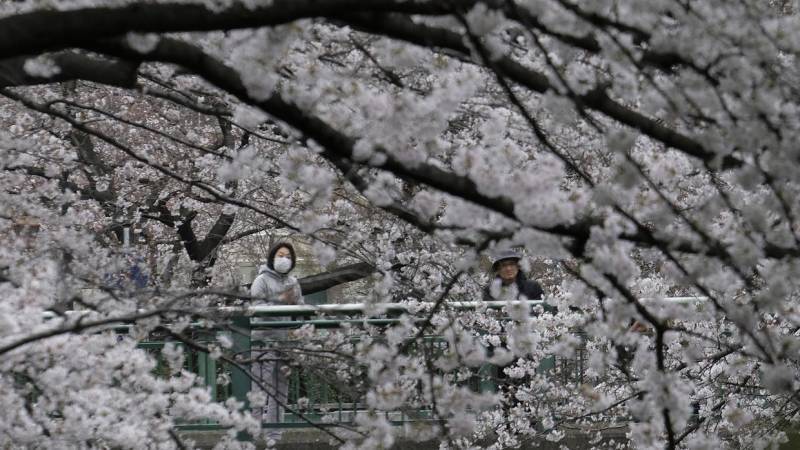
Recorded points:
(403, 28)
(142, 126)
(336, 143)
(391, 76)
(187, 235)
(216, 235)
(340, 147)
(334, 277)
(86, 192)
(71, 65)
(161, 90)
(42, 30)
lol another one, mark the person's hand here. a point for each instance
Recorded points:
(639, 327)
(287, 298)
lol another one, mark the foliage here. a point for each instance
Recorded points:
(648, 146)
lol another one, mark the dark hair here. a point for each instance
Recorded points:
(274, 249)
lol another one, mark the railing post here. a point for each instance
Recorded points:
(488, 375)
(546, 364)
(240, 380)
(207, 370)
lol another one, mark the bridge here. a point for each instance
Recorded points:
(315, 403)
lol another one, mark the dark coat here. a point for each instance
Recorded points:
(529, 288)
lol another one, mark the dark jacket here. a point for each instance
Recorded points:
(530, 289)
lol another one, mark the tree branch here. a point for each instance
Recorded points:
(403, 28)
(42, 30)
(340, 147)
(72, 65)
(334, 277)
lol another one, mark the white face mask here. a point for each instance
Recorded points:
(282, 264)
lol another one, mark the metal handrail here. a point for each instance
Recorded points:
(370, 310)
(351, 308)
(383, 308)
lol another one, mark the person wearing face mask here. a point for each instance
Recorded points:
(274, 286)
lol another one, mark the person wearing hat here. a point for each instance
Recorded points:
(509, 283)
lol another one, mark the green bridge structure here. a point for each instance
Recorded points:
(323, 403)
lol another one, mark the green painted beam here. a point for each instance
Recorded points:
(240, 380)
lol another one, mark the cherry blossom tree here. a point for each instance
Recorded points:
(646, 148)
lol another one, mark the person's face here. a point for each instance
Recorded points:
(283, 252)
(507, 270)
